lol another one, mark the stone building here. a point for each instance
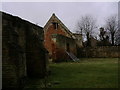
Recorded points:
(59, 40)
(23, 52)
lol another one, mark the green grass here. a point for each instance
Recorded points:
(88, 73)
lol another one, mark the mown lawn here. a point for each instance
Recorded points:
(87, 73)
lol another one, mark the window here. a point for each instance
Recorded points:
(55, 25)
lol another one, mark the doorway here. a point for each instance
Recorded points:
(68, 47)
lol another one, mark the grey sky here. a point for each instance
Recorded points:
(68, 12)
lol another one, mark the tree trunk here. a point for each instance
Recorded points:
(88, 39)
(112, 39)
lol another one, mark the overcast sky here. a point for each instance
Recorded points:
(68, 12)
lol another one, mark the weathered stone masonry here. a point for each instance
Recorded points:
(62, 44)
(23, 52)
(58, 39)
(100, 52)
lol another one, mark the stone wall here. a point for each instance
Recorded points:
(79, 40)
(55, 26)
(47, 36)
(23, 53)
(100, 52)
(63, 44)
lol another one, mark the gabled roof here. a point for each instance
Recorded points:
(56, 19)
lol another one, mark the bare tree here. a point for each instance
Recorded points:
(104, 38)
(117, 35)
(102, 34)
(85, 26)
(112, 27)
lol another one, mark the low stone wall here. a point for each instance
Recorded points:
(100, 52)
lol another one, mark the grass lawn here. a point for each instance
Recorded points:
(87, 73)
